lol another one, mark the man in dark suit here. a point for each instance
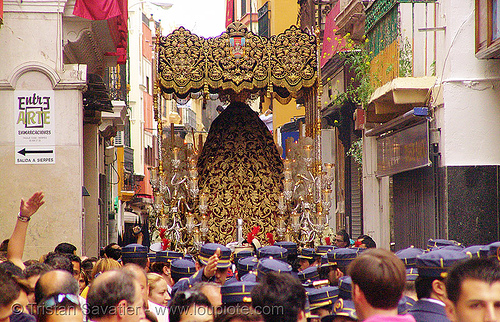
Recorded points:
(430, 287)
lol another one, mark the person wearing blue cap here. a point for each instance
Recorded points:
(429, 285)
(182, 268)
(343, 311)
(291, 254)
(473, 289)
(342, 257)
(307, 258)
(162, 266)
(266, 265)
(237, 294)
(280, 297)
(135, 254)
(329, 271)
(378, 280)
(345, 288)
(436, 243)
(275, 252)
(321, 300)
(214, 261)
(245, 265)
(409, 258)
(310, 274)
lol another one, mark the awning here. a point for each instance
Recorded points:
(398, 97)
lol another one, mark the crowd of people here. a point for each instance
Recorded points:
(348, 281)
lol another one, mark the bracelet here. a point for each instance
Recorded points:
(23, 218)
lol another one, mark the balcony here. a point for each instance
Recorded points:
(189, 118)
(351, 18)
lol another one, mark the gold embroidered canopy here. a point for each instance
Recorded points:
(237, 61)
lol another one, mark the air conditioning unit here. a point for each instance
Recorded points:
(118, 141)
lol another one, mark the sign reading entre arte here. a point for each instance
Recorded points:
(34, 127)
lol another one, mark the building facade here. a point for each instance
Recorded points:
(53, 94)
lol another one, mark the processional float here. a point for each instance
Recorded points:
(237, 180)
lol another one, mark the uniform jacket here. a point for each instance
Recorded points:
(186, 283)
(426, 311)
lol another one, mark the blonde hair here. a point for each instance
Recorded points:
(104, 265)
(153, 280)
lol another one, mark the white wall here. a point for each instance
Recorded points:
(32, 60)
(376, 198)
(470, 118)
(414, 17)
(135, 95)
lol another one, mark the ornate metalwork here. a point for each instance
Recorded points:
(241, 173)
(384, 33)
(377, 11)
(239, 169)
(237, 61)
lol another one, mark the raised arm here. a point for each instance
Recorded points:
(16, 244)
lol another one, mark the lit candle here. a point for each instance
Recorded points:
(154, 174)
(302, 131)
(158, 199)
(193, 173)
(281, 201)
(203, 199)
(175, 152)
(308, 150)
(189, 219)
(193, 183)
(295, 218)
(196, 236)
(288, 185)
(281, 224)
(288, 164)
(328, 169)
(327, 194)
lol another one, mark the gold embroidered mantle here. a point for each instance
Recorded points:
(242, 173)
(237, 61)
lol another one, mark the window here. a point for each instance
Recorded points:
(147, 84)
(263, 14)
(495, 20)
(488, 28)
(243, 7)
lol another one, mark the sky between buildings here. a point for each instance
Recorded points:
(202, 17)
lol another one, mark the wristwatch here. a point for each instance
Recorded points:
(23, 218)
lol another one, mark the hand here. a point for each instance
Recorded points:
(28, 208)
(136, 230)
(211, 267)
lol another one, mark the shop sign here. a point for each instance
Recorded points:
(34, 127)
(404, 150)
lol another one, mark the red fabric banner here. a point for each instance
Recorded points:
(229, 12)
(97, 9)
(119, 30)
(1, 11)
(116, 13)
(332, 43)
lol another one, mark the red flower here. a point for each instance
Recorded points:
(165, 243)
(270, 238)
